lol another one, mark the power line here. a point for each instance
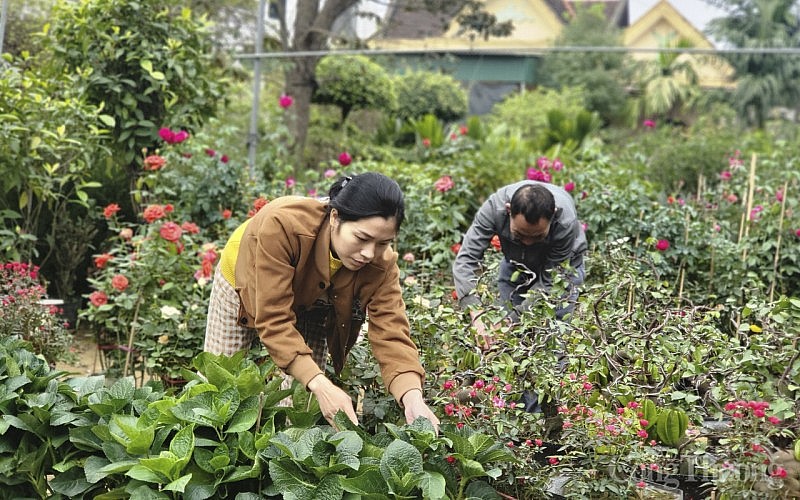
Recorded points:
(521, 51)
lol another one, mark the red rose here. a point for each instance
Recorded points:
(101, 260)
(110, 210)
(170, 231)
(153, 212)
(119, 282)
(190, 227)
(98, 298)
(154, 162)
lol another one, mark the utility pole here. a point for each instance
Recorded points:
(252, 136)
(3, 18)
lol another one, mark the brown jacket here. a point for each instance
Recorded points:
(283, 267)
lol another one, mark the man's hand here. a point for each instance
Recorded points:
(331, 399)
(415, 407)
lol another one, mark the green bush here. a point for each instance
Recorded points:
(148, 65)
(353, 82)
(423, 92)
(526, 112)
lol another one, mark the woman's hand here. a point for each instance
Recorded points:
(415, 407)
(331, 399)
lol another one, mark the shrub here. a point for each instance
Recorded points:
(422, 92)
(526, 112)
(23, 315)
(353, 82)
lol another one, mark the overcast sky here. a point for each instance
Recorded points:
(697, 11)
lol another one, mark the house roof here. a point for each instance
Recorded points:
(405, 22)
(615, 10)
(661, 23)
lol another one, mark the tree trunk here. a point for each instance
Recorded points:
(312, 29)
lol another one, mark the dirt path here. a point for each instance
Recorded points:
(85, 347)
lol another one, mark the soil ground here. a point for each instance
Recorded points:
(88, 359)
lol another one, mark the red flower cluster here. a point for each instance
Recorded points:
(207, 257)
(258, 204)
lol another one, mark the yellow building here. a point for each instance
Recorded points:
(510, 62)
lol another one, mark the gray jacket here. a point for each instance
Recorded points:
(565, 241)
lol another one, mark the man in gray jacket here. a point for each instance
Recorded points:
(538, 229)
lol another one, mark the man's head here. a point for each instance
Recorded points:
(531, 210)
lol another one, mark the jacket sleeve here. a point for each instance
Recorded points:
(474, 244)
(390, 337)
(275, 247)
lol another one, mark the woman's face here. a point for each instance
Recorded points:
(356, 243)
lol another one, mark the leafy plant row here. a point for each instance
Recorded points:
(225, 435)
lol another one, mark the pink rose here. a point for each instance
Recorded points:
(119, 282)
(444, 184)
(285, 101)
(345, 159)
(98, 298)
(170, 231)
(662, 245)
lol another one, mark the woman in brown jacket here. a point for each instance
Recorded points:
(303, 274)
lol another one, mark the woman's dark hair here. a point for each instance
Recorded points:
(534, 202)
(367, 195)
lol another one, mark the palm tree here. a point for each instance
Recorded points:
(764, 80)
(668, 83)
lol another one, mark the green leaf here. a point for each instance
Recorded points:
(246, 415)
(182, 444)
(433, 485)
(480, 489)
(399, 464)
(472, 469)
(143, 473)
(179, 484)
(107, 120)
(368, 483)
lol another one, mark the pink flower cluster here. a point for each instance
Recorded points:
(758, 409)
(481, 400)
(444, 184)
(172, 136)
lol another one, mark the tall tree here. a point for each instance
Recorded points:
(764, 80)
(600, 74)
(313, 29)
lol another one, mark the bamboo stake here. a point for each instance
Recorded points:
(778, 244)
(683, 263)
(130, 338)
(750, 189)
(701, 185)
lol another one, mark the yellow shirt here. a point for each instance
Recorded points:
(227, 261)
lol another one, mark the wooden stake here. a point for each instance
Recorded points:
(778, 244)
(750, 189)
(130, 338)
